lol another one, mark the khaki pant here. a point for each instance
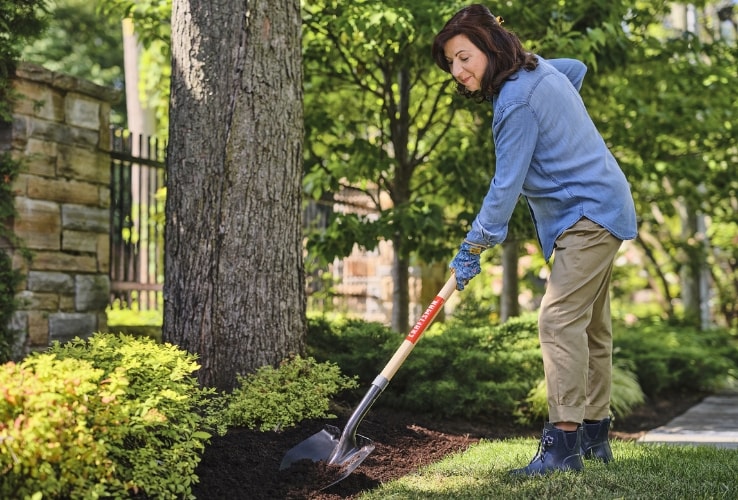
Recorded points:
(574, 325)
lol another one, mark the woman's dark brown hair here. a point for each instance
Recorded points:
(505, 53)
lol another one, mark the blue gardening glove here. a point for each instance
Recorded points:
(466, 263)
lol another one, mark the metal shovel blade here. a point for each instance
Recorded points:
(330, 446)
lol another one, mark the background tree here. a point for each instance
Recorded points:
(234, 288)
(382, 118)
(350, 131)
(376, 114)
(670, 113)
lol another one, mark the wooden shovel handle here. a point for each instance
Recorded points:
(417, 331)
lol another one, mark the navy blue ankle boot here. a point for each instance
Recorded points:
(558, 450)
(595, 440)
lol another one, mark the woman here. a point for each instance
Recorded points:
(549, 151)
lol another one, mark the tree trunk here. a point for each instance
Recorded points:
(433, 277)
(693, 271)
(400, 294)
(234, 289)
(509, 304)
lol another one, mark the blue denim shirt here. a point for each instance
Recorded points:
(549, 150)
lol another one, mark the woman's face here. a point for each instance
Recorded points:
(466, 62)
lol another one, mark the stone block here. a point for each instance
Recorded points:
(38, 328)
(103, 199)
(92, 292)
(19, 326)
(65, 83)
(40, 152)
(47, 130)
(79, 241)
(19, 132)
(102, 322)
(20, 263)
(37, 301)
(60, 261)
(103, 253)
(38, 100)
(38, 223)
(83, 164)
(39, 281)
(82, 111)
(84, 137)
(81, 218)
(62, 191)
(20, 185)
(66, 326)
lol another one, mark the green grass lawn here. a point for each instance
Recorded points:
(639, 471)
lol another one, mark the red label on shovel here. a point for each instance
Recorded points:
(425, 320)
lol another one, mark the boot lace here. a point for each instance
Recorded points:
(546, 442)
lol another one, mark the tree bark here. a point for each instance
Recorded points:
(234, 289)
(400, 294)
(509, 303)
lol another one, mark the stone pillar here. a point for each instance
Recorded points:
(60, 131)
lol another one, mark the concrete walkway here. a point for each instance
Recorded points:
(712, 422)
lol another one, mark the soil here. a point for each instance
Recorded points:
(244, 464)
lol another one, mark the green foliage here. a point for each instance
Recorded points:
(10, 277)
(9, 280)
(152, 26)
(273, 399)
(131, 403)
(53, 414)
(20, 22)
(152, 17)
(675, 139)
(457, 370)
(375, 114)
(463, 370)
(133, 317)
(471, 372)
(356, 346)
(669, 358)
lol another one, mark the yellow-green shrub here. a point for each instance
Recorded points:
(273, 399)
(53, 414)
(122, 416)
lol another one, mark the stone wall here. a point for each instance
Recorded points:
(60, 131)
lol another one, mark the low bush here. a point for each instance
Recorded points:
(471, 371)
(668, 358)
(112, 416)
(273, 399)
(52, 415)
(456, 371)
(358, 347)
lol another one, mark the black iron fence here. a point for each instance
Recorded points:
(137, 192)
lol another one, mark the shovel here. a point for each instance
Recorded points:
(347, 450)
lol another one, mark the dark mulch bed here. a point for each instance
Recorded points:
(244, 464)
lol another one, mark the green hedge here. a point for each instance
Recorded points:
(457, 370)
(454, 371)
(668, 358)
